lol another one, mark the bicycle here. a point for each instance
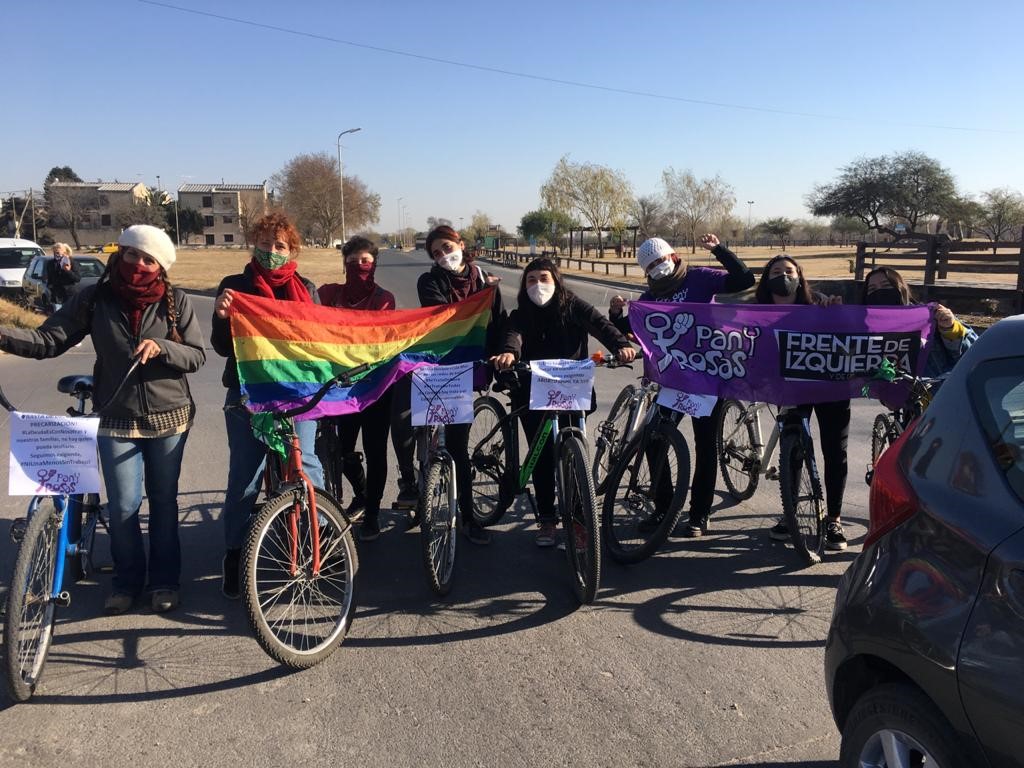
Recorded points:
(646, 485)
(744, 457)
(494, 462)
(337, 465)
(53, 526)
(299, 559)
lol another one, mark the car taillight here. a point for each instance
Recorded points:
(892, 500)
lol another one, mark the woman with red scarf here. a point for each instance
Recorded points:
(360, 291)
(132, 311)
(272, 273)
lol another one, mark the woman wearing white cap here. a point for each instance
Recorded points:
(133, 311)
(670, 278)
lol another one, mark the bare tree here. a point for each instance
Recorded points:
(696, 202)
(597, 194)
(148, 209)
(437, 221)
(649, 212)
(69, 204)
(250, 209)
(1001, 213)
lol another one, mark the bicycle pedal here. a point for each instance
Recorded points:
(17, 531)
(63, 600)
(772, 473)
(106, 568)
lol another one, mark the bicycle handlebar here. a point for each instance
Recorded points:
(344, 378)
(136, 362)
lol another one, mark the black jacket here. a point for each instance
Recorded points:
(539, 333)
(156, 387)
(435, 288)
(58, 280)
(220, 337)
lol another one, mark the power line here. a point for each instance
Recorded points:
(561, 81)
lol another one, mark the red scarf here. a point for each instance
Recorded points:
(359, 284)
(266, 280)
(136, 289)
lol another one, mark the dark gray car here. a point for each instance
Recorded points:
(924, 663)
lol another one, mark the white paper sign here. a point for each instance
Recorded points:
(442, 394)
(561, 385)
(52, 455)
(694, 405)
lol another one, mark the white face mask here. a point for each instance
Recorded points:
(451, 261)
(664, 269)
(541, 293)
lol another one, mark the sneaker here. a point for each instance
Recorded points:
(164, 600)
(117, 603)
(547, 535)
(835, 539)
(355, 507)
(370, 529)
(476, 533)
(229, 574)
(408, 496)
(779, 531)
(696, 527)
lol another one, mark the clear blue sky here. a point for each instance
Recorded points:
(124, 89)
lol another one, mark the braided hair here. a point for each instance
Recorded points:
(89, 310)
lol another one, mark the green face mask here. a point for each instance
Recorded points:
(269, 259)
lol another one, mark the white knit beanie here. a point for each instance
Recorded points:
(651, 250)
(152, 241)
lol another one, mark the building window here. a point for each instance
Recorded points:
(229, 238)
(209, 239)
(207, 221)
(227, 201)
(227, 219)
(207, 201)
(105, 220)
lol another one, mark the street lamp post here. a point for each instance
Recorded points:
(750, 204)
(341, 181)
(177, 227)
(401, 234)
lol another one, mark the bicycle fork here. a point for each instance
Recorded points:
(295, 472)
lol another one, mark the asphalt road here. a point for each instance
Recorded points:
(708, 654)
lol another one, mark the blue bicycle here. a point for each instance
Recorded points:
(55, 541)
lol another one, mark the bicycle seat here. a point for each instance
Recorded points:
(73, 385)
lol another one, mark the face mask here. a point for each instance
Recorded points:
(886, 297)
(451, 261)
(784, 285)
(269, 259)
(663, 270)
(541, 293)
(359, 272)
(135, 275)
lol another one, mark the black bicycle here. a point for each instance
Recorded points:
(888, 426)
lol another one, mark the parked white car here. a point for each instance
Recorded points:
(15, 256)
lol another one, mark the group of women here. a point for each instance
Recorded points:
(134, 311)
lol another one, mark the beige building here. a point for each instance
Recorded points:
(227, 209)
(94, 209)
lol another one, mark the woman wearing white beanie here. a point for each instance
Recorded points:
(133, 311)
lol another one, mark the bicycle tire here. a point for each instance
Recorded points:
(632, 527)
(801, 497)
(27, 642)
(330, 457)
(76, 567)
(882, 431)
(609, 438)
(738, 458)
(439, 526)
(579, 519)
(489, 460)
(273, 595)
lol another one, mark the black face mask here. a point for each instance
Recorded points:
(784, 285)
(886, 297)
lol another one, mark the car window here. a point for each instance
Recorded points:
(38, 267)
(16, 257)
(997, 390)
(89, 267)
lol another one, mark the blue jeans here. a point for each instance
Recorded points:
(125, 462)
(246, 457)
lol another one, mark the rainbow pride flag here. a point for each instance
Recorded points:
(286, 350)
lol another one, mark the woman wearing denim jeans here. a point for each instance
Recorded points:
(134, 311)
(270, 274)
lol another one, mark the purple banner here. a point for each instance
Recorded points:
(785, 355)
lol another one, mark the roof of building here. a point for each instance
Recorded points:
(222, 188)
(101, 186)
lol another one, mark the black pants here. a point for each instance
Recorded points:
(705, 464)
(834, 435)
(456, 437)
(402, 438)
(544, 470)
(374, 423)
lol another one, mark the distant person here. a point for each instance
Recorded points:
(61, 274)
(272, 274)
(134, 311)
(670, 278)
(360, 291)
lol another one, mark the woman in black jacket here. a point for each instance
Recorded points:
(134, 311)
(551, 322)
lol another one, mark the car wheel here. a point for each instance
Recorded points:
(896, 726)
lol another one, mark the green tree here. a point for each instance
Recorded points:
(545, 225)
(596, 194)
(1000, 214)
(908, 188)
(60, 173)
(696, 203)
(846, 228)
(779, 227)
(150, 209)
(189, 219)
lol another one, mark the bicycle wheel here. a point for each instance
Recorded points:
(610, 437)
(79, 507)
(646, 492)
(490, 441)
(738, 455)
(801, 496)
(882, 432)
(28, 630)
(299, 617)
(579, 519)
(439, 525)
(329, 453)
